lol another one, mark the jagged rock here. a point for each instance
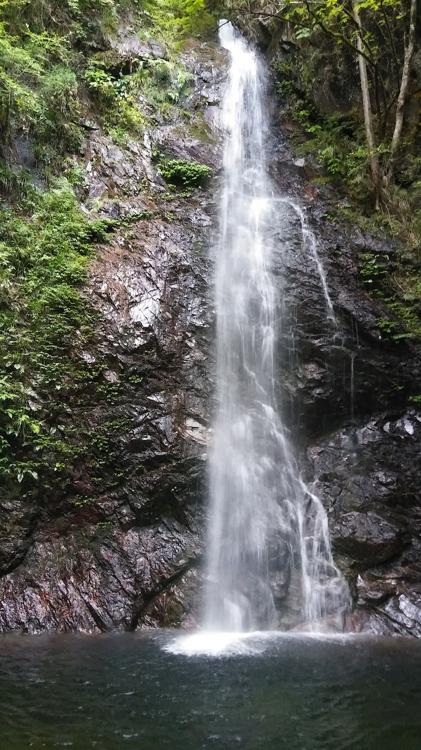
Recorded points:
(126, 45)
(17, 520)
(85, 583)
(112, 172)
(401, 615)
(367, 538)
(368, 478)
(116, 555)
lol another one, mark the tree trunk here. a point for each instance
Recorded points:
(403, 92)
(368, 113)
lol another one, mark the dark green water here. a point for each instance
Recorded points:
(123, 691)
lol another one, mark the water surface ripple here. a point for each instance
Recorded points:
(123, 691)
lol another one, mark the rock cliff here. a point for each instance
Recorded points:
(119, 546)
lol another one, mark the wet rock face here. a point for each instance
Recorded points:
(367, 537)
(368, 478)
(98, 558)
(331, 371)
(70, 583)
(345, 380)
(121, 546)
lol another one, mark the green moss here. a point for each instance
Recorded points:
(116, 100)
(44, 252)
(127, 102)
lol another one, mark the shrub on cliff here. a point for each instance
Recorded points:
(184, 174)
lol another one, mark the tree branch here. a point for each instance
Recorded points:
(403, 92)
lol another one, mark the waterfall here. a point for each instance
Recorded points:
(268, 538)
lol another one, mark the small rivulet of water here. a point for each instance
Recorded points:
(268, 538)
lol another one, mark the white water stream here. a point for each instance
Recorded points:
(268, 534)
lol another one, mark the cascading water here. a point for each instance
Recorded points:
(268, 533)
(310, 243)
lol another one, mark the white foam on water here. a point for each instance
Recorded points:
(223, 644)
(213, 643)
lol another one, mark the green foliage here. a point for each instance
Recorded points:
(48, 55)
(40, 68)
(166, 82)
(400, 295)
(19, 73)
(117, 99)
(43, 258)
(371, 269)
(38, 91)
(311, 83)
(126, 101)
(100, 82)
(175, 19)
(337, 139)
(328, 39)
(404, 322)
(184, 174)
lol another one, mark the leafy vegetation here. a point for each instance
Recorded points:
(175, 19)
(400, 295)
(44, 252)
(49, 60)
(184, 174)
(329, 38)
